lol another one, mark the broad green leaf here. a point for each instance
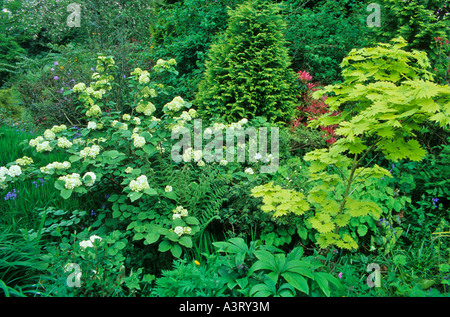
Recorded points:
(150, 191)
(134, 196)
(164, 246)
(362, 230)
(176, 250)
(322, 281)
(186, 241)
(296, 280)
(66, 193)
(151, 237)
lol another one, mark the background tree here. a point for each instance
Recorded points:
(248, 73)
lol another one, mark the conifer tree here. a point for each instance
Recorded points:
(247, 73)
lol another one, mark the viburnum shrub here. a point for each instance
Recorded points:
(312, 108)
(386, 96)
(127, 153)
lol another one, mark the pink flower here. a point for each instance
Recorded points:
(304, 76)
(340, 275)
(310, 85)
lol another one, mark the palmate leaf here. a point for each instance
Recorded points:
(397, 149)
(421, 89)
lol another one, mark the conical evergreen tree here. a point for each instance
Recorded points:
(247, 73)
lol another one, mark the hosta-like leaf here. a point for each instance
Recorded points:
(297, 281)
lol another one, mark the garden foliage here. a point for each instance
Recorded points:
(99, 200)
(381, 107)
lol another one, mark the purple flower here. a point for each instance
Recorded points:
(92, 69)
(56, 78)
(55, 63)
(11, 195)
(52, 69)
(435, 200)
(340, 274)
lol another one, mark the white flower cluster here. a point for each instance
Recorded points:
(139, 184)
(89, 243)
(93, 111)
(182, 119)
(64, 143)
(162, 64)
(35, 142)
(13, 171)
(24, 161)
(179, 230)
(80, 87)
(49, 134)
(137, 120)
(138, 141)
(91, 152)
(179, 212)
(44, 146)
(71, 181)
(145, 107)
(168, 189)
(148, 92)
(190, 154)
(3, 172)
(221, 126)
(248, 171)
(176, 104)
(92, 181)
(58, 128)
(129, 170)
(92, 125)
(144, 77)
(55, 165)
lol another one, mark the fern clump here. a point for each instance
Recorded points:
(247, 74)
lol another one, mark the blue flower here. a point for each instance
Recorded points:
(435, 200)
(11, 195)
